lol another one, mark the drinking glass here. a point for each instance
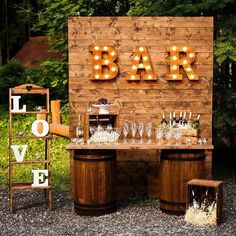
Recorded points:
(149, 131)
(168, 136)
(125, 130)
(117, 134)
(141, 131)
(159, 135)
(133, 131)
(109, 128)
(92, 130)
(177, 136)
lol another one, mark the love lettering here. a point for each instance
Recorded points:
(39, 176)
(105, 68)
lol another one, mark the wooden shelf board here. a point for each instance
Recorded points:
(31, 162)
(29, 112)
(24, 185)
(31, 137)
(205, 182)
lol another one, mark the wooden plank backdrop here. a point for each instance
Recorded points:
(141, 100)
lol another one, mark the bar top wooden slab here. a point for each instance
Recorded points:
(136, 146)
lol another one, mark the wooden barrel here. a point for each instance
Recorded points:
(94, 181)
(176, 169)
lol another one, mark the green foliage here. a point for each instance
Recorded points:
(53, 16)
(11, 74)
(52, 74)
(177, 8)
(14, 26)
(225, 45)
(224, 121)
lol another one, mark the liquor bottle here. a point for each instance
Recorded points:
(196, 123)
(174, 119)
(184, 122)
(205, 201)
(181, 118)
(79, 128)
(189, 119)
(171, 121)
(163, 121)
(195, 200)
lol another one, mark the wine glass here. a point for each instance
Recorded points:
(177, 136)
(159, 135)
(109, 128)
(133, 131)
(92, 130)
(117, 134)
(141, 131)
(168, 136)
(149, 131)
(125, 130)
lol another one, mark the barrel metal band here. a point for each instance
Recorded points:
(94, 206)
(182, 159)
(94, 160)
(173, 203)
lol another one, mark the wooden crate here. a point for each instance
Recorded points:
(212, 190)
(94, 119)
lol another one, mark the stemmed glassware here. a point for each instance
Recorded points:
(125, 130)
(141, 131)
(92, 130)
(109, 128)
(159, 135)
(177, 136)
(168, 135)
(133, 131)
(117, 134)
(149, 131)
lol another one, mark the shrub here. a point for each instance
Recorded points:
(11, 75)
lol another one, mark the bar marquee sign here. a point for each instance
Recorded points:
(105, 67)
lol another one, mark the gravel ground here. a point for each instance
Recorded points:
(132, 218)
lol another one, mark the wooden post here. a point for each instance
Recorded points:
(55, 109)
(56, 127)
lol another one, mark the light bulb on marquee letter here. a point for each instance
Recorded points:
(141, 61)
(45, 128)
(99, 62)
(185, 62)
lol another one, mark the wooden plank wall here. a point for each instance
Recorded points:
(142, 100)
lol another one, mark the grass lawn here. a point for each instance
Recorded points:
(59, 156)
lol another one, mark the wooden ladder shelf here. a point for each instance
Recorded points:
(28, 89)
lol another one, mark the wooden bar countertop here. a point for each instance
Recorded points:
(136, 146)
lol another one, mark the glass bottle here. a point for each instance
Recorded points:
(79, 129)
(171, 121)
(189, 119)
(184, 122)
(181, 118)
(163, 121)
(174, 120)
(196, 123)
